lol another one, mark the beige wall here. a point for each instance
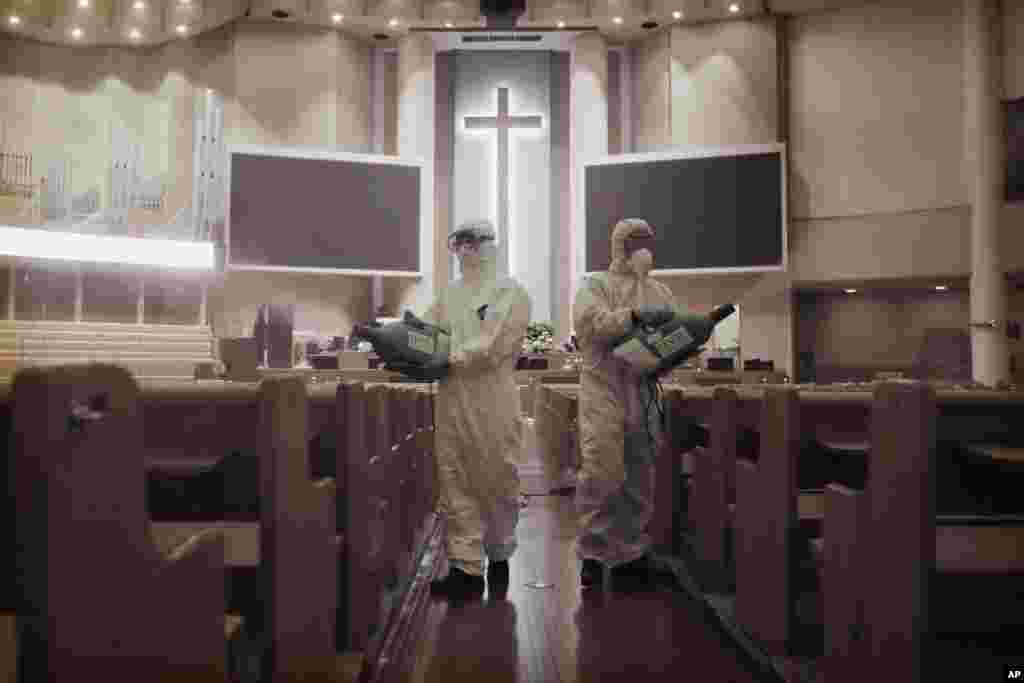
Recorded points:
(652, 88)
(282, 85)
(876, 174)
(872, 113)
(876, 110)
(724, 79)
(1013, 48)
(844, 329)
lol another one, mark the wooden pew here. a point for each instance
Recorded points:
(292, 546)
(298, 543)
(530, 381)
(557, 429)
(882, 552)
(402, 475)
(390, 498)
(666, 527)
(771, 511)
(99, 600)
(361, 552)
(713, 488)
(189, 414)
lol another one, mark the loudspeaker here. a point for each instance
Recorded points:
(502, 14)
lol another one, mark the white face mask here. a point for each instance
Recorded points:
(468, 255)
(641, 261)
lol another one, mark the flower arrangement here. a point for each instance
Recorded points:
(539, 338)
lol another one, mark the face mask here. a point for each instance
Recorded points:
(468, 254)
(641, 261)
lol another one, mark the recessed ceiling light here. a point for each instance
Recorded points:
(336, 18)
(182, 28)
(448, 24)
(139, 5)
(134, 34)
(617, 20)
(561, 24)
(76, 32)
(850, 291)
(83, 3)
(677, 15)
(941, 288)
(393, 22)
(14, 20)
(734, 7)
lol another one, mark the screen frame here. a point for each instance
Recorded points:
(675, 154)
(425, 239)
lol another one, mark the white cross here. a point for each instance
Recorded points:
(502, 122)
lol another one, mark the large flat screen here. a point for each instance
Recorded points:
(316, 211)
(712, 209)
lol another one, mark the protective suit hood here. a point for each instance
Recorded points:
(623, 230)
(484, 266)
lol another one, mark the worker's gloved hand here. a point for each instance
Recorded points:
(652, 316)
(434, 369)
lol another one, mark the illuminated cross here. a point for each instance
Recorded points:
(502, 122)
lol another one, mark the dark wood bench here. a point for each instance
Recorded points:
(125, 606)
(557, 429)
(883, 553)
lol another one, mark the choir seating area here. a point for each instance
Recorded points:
(151, 351)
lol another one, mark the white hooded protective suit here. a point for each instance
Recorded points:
(477, 440)
(615, 489)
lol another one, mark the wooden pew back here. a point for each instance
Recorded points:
(99, 600)
(766, 519)
(298, 541)
(900, 523)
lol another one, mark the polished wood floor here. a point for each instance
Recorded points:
(549, 633)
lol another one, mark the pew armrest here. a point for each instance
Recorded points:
(204, 546)
(240, 541)
(996, 453)
(810, 504)
(983, 549)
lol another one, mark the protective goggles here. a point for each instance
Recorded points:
(455, 242)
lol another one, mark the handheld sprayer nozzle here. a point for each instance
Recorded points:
(721, 313)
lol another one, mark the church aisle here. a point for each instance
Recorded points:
(551, 634)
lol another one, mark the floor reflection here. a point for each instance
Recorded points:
(553, 634)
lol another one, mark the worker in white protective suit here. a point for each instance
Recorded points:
(477, 439)
(619, 412)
